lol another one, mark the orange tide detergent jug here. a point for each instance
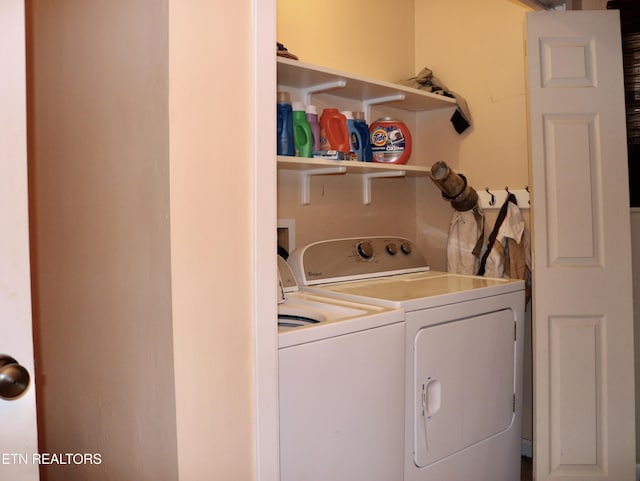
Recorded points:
(334, 134)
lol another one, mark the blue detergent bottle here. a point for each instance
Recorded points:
(363, 128)
(355, 136)
(284, 138)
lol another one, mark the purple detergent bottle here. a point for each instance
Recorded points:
(312, 118)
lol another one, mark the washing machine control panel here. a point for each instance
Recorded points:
(356, 258)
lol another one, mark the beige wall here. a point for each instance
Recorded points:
(484, 64)
(355, 37)
(461, 42)
(373, 38)
(487, 70)
(113, 307)
(99, 166)
(129, 104)
(211, 146)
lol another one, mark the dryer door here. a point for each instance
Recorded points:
(464, 383)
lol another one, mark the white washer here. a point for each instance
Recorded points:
(341, 383)
(463, 352)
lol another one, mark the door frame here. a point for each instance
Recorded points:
(264, 241)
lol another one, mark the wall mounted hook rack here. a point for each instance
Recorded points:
(494, 198)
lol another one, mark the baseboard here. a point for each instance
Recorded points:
(526, 448)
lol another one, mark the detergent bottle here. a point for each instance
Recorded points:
(355, 137)
(363, 128)
(333, 131)
(312, 118)
(302, 136)
(285, 125)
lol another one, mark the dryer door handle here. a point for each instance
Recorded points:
(431, 403)
(432, 398)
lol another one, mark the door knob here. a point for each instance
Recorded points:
(14, 378)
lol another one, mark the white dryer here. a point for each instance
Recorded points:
(463, 352)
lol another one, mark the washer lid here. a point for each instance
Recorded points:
(286, 277)
(338, 317)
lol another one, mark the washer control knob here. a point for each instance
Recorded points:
(392, 249)
(365, 250)
(406, 248)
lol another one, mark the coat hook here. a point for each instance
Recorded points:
(526, 187)
(506, 187)
(492, 201)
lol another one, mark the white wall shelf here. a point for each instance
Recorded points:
(310, 79)
(368, 170)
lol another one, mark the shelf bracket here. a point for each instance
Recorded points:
(366, 182)
(305, 180)
(366, 104)
(314, 89)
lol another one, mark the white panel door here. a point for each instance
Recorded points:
(18, 439)
(582, 301)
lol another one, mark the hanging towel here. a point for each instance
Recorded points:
(508, 253)
(466, 236)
